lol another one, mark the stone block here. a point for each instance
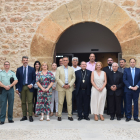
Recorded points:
(131, 47)
(41, 47)
(94, 9)
(61, 17)
(49, 30)
(128, 3)
(117, 19)
(85, 5)
(105, 12)
(74, 9)
(128, 31)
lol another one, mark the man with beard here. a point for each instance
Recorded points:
(91, 64)
(108, 69)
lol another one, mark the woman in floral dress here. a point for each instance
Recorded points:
(45, 80)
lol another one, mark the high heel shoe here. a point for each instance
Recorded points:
(96, 118)
(102, 118)
(48, 119)
(51, 114)
(42, 118)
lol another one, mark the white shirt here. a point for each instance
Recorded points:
(77, 68)
(109, 67)
(26, 81)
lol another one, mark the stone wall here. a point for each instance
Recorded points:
(22, 23)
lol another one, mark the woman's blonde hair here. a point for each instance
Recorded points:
(45, 64)
(100, 64)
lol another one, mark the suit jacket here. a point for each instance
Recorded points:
(60, 78)
(79, 79)
(107, 70)
(128, 81)
(31, 78)
(118, 82)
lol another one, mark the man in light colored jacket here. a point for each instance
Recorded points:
(65, 77)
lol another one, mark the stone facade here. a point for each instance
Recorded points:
(33, 27)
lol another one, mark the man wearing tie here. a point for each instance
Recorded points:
(108, 69)
(26, 79)
(131, 79)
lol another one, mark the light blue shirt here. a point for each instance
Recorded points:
(131, 69)
(66, 74)
(26, 81)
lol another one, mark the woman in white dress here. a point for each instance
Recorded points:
(98, 91)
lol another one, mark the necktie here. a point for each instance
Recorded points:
(24, 76)
(110, 68)
(133, 75)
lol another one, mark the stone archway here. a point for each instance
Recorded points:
(106, 13)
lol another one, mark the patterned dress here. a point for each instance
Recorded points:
(44, 98)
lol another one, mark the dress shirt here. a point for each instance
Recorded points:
(131, 74)
(110, 67)
(5, 77)
(66, 74)
(77, 68)
(83, 85)
(90, 66)
(26, 80)
(131, 69)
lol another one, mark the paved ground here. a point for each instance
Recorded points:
(66, 130)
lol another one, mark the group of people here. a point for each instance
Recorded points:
(89, 85)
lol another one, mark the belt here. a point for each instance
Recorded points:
(66, 83)
(25, 85)
(83, 88)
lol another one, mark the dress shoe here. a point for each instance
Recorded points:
(70, 118)
(24, 118)
(87, 118)
(59, 119)
(118, 118)
(10, 121)
(1, 123)
(112, 118)
(31, 119)
(102, 118)
(128, 119)
(80, 118)
(137, 120)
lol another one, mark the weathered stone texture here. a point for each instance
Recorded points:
(33, 27)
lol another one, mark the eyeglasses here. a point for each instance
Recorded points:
(6, 64)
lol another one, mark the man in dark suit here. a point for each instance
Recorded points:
(115, 91)
(131, 79)
(123, 104)
(26, 79)
(108, 69)
(83, 91)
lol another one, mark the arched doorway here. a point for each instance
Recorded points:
(105, 13)
(82, 39)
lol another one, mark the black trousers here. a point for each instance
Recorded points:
(83, 103)
(114, 105)
(74, 100)
(34, 99)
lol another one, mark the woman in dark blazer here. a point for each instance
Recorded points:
(37, 66)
